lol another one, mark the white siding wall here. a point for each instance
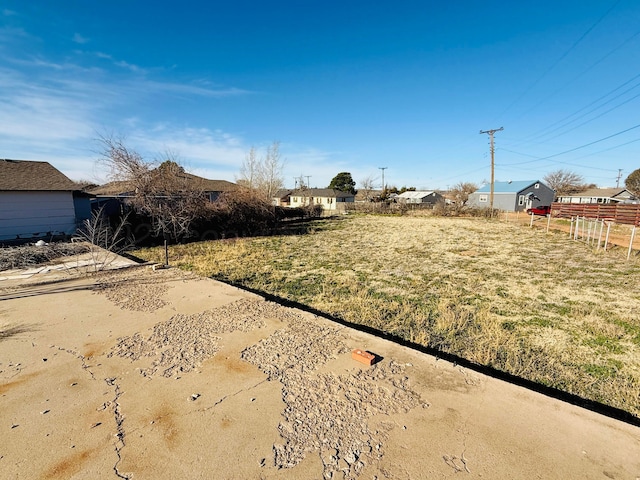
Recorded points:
(29, 214)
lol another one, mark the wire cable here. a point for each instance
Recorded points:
(562, 57)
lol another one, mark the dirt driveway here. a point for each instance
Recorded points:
(149, 374)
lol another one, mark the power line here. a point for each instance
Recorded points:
(537, 159)
(562, 57)
(594, 109)
(592, 143)
(590, 67)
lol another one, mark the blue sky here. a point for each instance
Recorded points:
(343, 86)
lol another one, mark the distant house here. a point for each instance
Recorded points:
(598, 195)
(38, 201)
(513, 196)
(419, 197)
(366, 195)
(328, 198)
(282, 198)
(211, 188)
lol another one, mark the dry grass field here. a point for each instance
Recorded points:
(534, 304)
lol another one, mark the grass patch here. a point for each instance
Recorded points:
(529, 303)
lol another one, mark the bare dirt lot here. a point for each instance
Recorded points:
(161, 374)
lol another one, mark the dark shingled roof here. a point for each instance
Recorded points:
(322, 192)
(26, 175)
(124, 188)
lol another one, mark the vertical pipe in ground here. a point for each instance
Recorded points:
(571, 228)
(600, 234)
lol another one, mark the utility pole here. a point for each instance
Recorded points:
(383, 169)
(491, 132)
(308, 177)
(619, 177)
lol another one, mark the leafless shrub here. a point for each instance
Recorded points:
(163, 192)
(106, 241)
(243, 212)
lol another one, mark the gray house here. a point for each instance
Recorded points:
(36, 201)
(513, 196)
(419, 197)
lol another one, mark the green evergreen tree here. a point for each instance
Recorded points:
(633, 182)
(343, 182)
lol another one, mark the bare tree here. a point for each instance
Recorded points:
(271, 179)
(460, 192)
(263, 174)
(172, 199)
(302, 184)
(249, 169)
(565, 182)
(367, 186)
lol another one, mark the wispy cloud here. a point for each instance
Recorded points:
(77, 38)
(9, 13)
(193, 89)
(201, 147)
(129, 66)
(10, 34)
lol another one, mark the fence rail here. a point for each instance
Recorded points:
(628, 214)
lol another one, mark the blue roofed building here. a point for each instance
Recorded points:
(513, 196)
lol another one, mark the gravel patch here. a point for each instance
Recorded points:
(183, 342)
(136, 289)
(304, 345)
(328, 413)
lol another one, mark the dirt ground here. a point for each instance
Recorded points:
(146, 374)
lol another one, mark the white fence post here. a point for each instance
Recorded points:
(600, 234)
(633, 234)
(548, 221)
(571, 228)
(606, 240)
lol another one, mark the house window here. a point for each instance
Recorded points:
(521, 200)
(537, 185)
(482, 198)
(295, 199)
